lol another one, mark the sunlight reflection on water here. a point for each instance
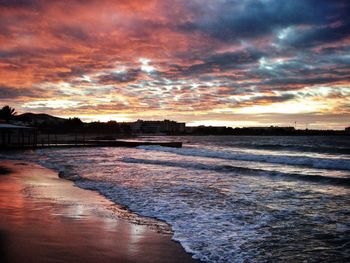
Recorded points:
(225, 204)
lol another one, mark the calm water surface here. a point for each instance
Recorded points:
(229, 199)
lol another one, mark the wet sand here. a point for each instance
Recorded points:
(48, 219)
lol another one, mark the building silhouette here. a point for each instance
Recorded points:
(165, 126)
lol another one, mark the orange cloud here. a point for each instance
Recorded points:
(200, 56)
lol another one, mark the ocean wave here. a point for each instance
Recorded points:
(241, 225)
(315, 162)
(300, 148)
(217, 211)
(243, 171)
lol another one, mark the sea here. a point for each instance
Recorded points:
(228, 198)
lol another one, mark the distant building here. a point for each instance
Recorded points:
(203, 128)
(190, 129)
(269, 128)
(165, 126)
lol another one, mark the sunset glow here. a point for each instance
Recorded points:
(233, 63)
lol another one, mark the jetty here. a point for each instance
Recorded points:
(94, 143)
(22, 137)
(135, 143)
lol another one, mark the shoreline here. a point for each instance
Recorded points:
(48, 219)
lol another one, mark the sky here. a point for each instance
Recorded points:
(214, 62)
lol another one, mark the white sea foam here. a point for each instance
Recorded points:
(316, 162)
(250, 169)
(222, 218)
(217, 212)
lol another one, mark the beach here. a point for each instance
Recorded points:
(47, 219)
(222, 198)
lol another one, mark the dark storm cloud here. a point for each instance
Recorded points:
(234, 20)
(179, 55)
(303, 81)
(217, 62)
(228, 60)
(259, 100)
(20, 3)
(35, 5)
(74, 32)
(119, 77)
(13, 93)
(305, 38)
(5, 54)
(26, 54)
(272, 99)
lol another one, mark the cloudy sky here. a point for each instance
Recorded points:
(218, 62)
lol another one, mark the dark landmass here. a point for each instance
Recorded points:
(39, 118)
(263, 131)
(111, 130)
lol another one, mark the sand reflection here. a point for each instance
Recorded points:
(45, 219)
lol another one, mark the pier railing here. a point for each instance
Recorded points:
(20, 137)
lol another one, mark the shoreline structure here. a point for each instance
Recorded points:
(48, 219)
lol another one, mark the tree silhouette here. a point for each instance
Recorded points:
(73, 124)
(7, 113)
